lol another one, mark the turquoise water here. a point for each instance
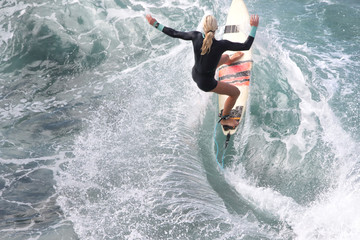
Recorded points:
(104, 134)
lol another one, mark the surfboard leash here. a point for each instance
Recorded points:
(217, 147)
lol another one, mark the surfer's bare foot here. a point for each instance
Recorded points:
(230, 122)
(226, 59)
(236, 56)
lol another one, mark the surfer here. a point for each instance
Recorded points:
(209, 55)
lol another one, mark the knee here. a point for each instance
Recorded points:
(236, 93)
(224, 59)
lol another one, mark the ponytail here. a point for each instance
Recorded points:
(207, 42)
(210, 26)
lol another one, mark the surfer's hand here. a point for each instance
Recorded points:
(254, 20)
(150, 19)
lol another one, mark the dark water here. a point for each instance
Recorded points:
(104, 135)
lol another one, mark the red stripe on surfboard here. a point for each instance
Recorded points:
(227, 70)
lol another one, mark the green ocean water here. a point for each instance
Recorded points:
(104, 135)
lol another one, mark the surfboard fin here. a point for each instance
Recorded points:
(227, 140)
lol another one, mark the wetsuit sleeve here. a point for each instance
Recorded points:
(173, 33)
(242, 46)
(176, 34)
(235, 46)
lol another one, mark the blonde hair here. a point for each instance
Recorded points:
(210, 26)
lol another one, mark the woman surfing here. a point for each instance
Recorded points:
(208, 53)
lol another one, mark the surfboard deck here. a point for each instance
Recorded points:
(238, 73)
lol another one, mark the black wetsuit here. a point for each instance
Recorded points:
(204, 69)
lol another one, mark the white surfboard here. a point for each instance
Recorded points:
(237, 30)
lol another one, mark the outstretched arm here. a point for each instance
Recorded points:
(152, 21)
(254, 22)
(169, 31)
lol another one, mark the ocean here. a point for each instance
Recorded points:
(104, 134)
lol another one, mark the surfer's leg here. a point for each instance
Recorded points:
(223, 60)
(226, 59)
(233, 93)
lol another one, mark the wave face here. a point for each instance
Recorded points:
(104, 134)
